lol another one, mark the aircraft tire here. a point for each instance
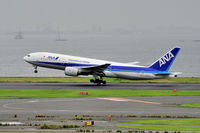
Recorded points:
(35, 71)
(92, 80)
(97, 81)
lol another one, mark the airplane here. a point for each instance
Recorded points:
(75, 66)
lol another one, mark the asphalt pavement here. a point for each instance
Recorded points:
(112, 86)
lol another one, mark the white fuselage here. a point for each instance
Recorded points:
(116, 69)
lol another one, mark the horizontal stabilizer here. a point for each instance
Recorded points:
(173, 74)
(133, 63)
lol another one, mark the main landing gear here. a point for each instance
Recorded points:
(98, 81)
(35, 69)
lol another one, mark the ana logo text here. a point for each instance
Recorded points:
(52, 58)
(163, 60)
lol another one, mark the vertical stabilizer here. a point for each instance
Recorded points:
(164, 63)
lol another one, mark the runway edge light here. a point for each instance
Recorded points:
(109, 117)
(83, 93)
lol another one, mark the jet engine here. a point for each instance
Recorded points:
(71, 71)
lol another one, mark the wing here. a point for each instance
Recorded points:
(96, 70)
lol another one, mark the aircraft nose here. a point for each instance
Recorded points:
(27, 58)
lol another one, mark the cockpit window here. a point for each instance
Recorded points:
(29, 55)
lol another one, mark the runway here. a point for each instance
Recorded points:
(62, 110)
(163, 105)
(112, 86)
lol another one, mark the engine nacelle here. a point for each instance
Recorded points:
(71, 71)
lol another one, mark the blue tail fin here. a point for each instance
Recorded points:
(164, 63)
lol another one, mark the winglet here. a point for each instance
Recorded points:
(164, 63)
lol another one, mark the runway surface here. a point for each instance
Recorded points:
(165, 105)
(158, 105)
(112, 86)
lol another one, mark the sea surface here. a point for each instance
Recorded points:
(144, 48)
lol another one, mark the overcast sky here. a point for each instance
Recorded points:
(109, 14)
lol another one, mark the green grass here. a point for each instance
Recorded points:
(194, 105)
(86, 80)
(167, 128)
(58, 93)
(169, 124)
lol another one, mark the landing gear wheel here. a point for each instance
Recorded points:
(98, 81)
(104, 82)
(92, 80)
(35, 71)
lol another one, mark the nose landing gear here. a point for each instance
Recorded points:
(35, 69)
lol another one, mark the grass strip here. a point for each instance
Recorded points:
(167, 122)
(61, 93)
(174, 128)
(178, 124)
(194, 105)
(182, 80)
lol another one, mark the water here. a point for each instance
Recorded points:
(145, 48)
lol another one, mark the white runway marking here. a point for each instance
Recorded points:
(126, 100)
(113, 99)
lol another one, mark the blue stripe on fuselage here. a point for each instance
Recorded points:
(109, 68)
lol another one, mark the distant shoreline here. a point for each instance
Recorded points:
(179, 80)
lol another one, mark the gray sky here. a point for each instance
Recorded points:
(109, 14)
